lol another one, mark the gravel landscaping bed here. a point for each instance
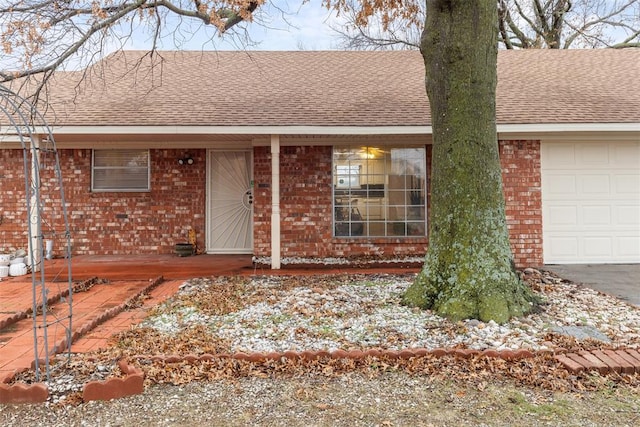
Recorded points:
(322, 312)
(279, 313)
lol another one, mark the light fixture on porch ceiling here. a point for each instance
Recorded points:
(371, 153)
(186, 159)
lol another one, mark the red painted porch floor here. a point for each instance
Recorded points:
(99, 312)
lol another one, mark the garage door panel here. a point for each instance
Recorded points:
(628, 216)
(594, 155)
(560, 155)
(627, 184)
(564, 186)
(596, 215)
(629, 246)
(595, 185)
(597, 246)
(561, 247)
(563, 216)
(626, 155)
(591, 202)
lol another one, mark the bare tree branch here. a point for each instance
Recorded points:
(44, 35)
(374, 33)
(522, 24)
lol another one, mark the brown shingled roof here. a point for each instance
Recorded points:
(337, 88)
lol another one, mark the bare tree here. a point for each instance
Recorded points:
(522, 24)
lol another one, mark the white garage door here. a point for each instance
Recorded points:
(591, 202)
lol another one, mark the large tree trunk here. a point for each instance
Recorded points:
(469, 270)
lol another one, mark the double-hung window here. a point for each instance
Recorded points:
(379, 191)
(120, 170)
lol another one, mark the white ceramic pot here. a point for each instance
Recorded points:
(17, 269)
(4, 270)
(17, 260)
(5, 259)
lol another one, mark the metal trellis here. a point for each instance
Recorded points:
(23, 126)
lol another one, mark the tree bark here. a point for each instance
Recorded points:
(469, 270)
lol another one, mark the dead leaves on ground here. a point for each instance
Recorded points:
(541, 372)
(197, 339)
(224, 295)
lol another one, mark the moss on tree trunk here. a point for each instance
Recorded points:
(469, 270)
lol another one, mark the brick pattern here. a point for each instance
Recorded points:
(306, 206)
(306, 210)
(523, 199)
(262, 201)
(152, 222)
(12, 204)
(111, 222)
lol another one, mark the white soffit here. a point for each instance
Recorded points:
(245, 130)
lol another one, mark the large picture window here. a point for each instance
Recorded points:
(120, 170)
(379, 191)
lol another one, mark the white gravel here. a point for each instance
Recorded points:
(367, 313)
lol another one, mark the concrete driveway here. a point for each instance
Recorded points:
(619, 280)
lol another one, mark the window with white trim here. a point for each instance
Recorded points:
(379, 191)
(120, 170)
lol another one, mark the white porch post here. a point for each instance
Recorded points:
(34, 248)
(275, 202)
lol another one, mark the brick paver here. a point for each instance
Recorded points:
(101, 335)
(89, 307)
(604, 361)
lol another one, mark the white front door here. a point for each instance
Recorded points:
(590, 202)
(229, 202)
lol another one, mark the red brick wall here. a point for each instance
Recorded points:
(130, 223)
(13, 217)
(262, 201)
(522, 191)
(306, 206)
(306, 210)
(113, 222)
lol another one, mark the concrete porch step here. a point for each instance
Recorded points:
(97, 303)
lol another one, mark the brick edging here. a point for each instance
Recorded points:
(115, 388)
(308, 355)
(112, 388)
(624, 360)
(23, 393)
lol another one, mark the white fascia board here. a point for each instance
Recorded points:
(571, 132)
(559, 128)
(243, 130)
